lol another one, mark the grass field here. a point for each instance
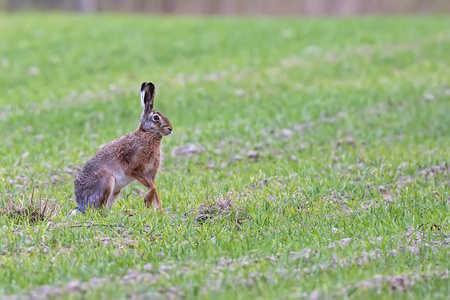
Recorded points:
(321, 167)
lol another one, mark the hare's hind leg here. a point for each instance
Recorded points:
(95, 194)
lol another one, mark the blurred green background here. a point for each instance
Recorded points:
(246, 7)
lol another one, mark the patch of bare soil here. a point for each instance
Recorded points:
(21, 180)
(72, 287)
(396, 282)
(300, 128)
(348, 140)
(253, 155)
(72, 171)
(188, 150)
(343, 242)
(340, 200)
(431, 171)
(305, 255)
(56, 177)
(75, 287)
(294, 257)
(118, 243)
(404, 181)
(274, 181)
(378, 110)
(430, 236)
(29, 209)
(362, 259)
(388, 194)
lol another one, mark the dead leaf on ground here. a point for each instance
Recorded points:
(33, 71)
(431, 171)
(404, 181)
(240, 93)
(253, 155)
(302, 127)
(75, 287)
(236, 157)
(400, 282)
(287, 133)
(347, 141)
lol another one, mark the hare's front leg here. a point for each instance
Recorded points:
(112, 199)
(152, 197)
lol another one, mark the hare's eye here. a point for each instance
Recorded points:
(155, 118)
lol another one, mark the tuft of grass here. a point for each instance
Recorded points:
(224, 209)
(29, 209)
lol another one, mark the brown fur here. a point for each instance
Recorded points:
(135, 156)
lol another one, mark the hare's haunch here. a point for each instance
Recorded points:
(135, 156)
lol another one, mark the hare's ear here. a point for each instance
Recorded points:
(147, 95)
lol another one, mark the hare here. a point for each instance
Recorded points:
(135, 156)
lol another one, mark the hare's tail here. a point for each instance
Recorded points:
(75, 211)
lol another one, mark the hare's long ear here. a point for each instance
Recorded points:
(147, 95)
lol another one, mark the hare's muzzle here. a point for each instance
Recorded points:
(167, 130)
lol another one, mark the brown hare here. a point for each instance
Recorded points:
(135, 156)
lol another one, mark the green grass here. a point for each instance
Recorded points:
(349, 117)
